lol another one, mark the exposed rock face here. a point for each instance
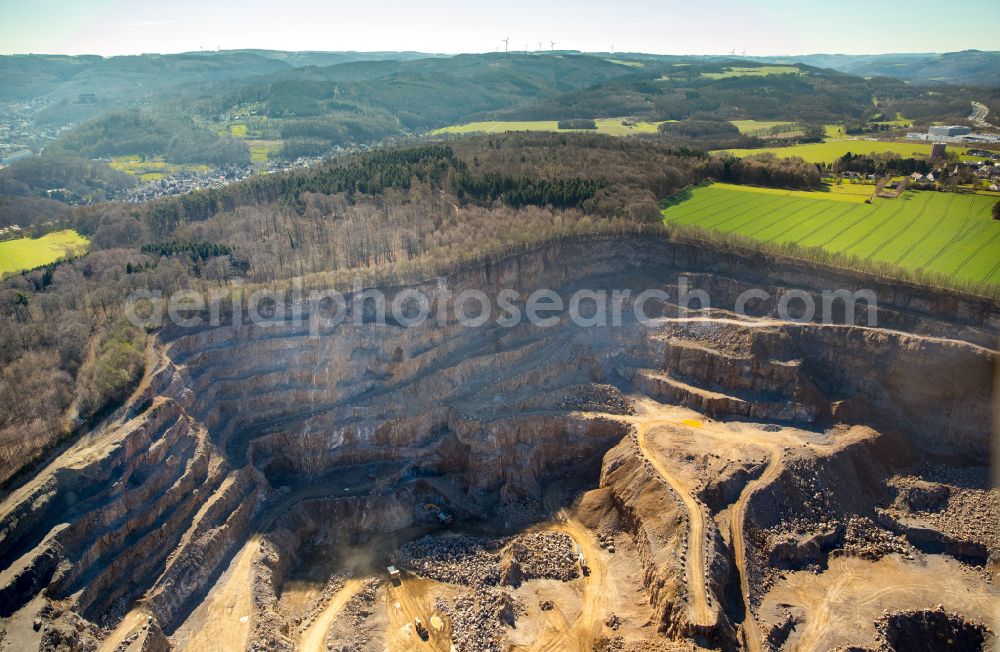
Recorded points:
(235, 426)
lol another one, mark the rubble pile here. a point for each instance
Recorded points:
(479, 561)
(478, 620)
(596, 398)
(609, 644)
(866, 539)
(545, 555)
(332, 586)
(958, 502)
(469, 561)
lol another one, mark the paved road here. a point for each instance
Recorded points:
(979, 113)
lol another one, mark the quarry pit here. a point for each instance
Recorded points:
(707, 479)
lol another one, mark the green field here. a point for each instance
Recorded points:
(753, 71)
(25, 253)
(152, 169)
(262, 150)
(750, 126)
(609, 126)
(941, 233)
(831, 150)
(630, 64)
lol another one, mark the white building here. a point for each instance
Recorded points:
(948, 131)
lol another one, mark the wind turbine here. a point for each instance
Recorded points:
(506, 42)
(552, 46)
(539, 46)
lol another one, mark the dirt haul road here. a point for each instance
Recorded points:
(598, 594)
(313, 638)
(750, 633)
(652, 414)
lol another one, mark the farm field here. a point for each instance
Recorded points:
(854, 192)
(151, 170)
(943, 233)
(262, 150)
(750, 126)
(27, 253)
(609, 126)
(752, 71)
(831, 150)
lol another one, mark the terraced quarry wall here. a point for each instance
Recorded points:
(234, 427)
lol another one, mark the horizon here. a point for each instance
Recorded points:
(779, 28)
(429, 54)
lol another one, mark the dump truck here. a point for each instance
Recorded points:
(421, 630)
(394, 575)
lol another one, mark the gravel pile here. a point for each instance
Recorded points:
(958, 502)
(469, 561)
(596, 398)
(479, 561)
(545, 555)
(609, 644)
(866, 539)
(478, 619)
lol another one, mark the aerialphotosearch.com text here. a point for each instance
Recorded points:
(323, 310)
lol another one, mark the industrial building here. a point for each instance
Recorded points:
(948, 131)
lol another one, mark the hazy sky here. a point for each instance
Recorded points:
(659, 26)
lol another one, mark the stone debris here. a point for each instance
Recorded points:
(478, 619)
(545, 555)
(961, 503)
(596, 398)
(333, 585)
(609, 644)
(866, 539)
(465, 560)
(480, 561)
(355, 613)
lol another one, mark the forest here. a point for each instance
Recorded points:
(33, 177)
(150, 134)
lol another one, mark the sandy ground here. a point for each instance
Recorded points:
(841, 604)
(20, 634)
(414, 598)
(222, 620)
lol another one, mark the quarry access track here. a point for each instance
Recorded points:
(695, 566)
(314, 637)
